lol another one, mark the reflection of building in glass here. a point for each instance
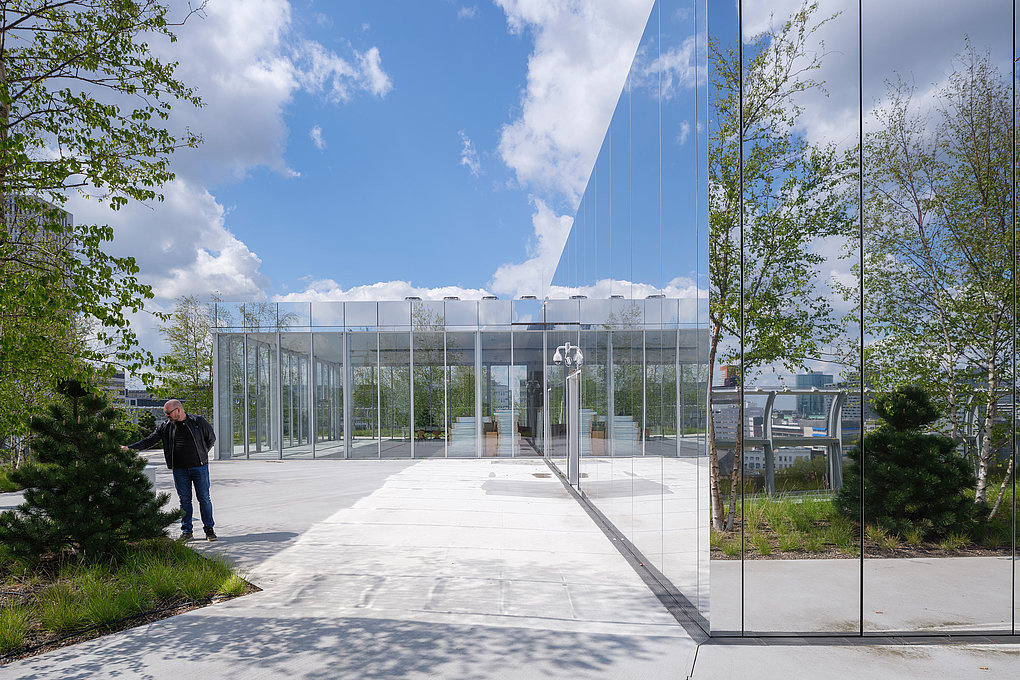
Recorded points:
(388, 386)
(727, 415)
(374, 380)
(812, 405)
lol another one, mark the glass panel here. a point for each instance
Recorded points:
(230, 419)
(648, 143)
(327, 314)
(627, 420)
(228, 315)
(801, 212)
(597, 312)
(361, 315)
(724, 293)
(562, 312)
(364, 366)
(261, 375)
(596, 465)
(528, 311)
(461, 421)
(938, 277)
(395, 394)
(295, 394)
(462, 313)
(258, 316)
(526, 381)
(660, 393)
(499, 421)
(685, 483)
(395, 314)
(556, 439)
(429, 387)
(329, 395)
(293, 314)
(493, 313)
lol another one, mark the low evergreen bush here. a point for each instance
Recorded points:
(913, 481)
(86, 495)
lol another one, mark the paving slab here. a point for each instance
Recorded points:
(460, 569)
(368, 571)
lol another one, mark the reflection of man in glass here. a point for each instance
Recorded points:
(186, 442)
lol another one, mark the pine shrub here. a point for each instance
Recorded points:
(913, 481)
(86, 495)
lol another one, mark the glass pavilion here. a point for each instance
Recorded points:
(454, 378)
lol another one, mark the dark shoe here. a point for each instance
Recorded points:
(186, 536)
(210, 535)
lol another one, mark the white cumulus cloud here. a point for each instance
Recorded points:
(328, 290)
(469, 156)
(316, 134)
(582, 54)
(532, 277)
(576, 72)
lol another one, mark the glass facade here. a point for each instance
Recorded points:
(835, 183)
(421, 388)
(639, 242)
(794, 221)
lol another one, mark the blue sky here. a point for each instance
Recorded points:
(386, 196)
(372, 150)
(376, 149)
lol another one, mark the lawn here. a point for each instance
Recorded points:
(63, 600)
(786, 526)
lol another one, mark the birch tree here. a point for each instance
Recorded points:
(938, 270)
(762, 271)
(84, 107)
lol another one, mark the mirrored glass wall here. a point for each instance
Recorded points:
(638, 250)
(862, 317)
(836, 180)
(421, 387)
(792, 279)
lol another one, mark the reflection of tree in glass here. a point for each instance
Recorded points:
(428, 327)
(938, 284)
(628, 380)
(265, 316)
(628, 318)
(761, 266)
(255, 317)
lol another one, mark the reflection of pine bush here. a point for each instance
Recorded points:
(912, 480)
(86, 494)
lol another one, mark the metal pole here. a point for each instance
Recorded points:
(244, 385)
(312, 385)
(410, 380)
(770, 450)
(573, 428)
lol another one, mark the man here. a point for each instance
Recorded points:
(186, 442)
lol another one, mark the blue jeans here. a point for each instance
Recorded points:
(183, 479)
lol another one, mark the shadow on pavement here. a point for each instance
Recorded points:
(316, 648)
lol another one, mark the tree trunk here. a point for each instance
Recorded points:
(735, 474)
(985, 450)
(718, 517)
(1002, 487)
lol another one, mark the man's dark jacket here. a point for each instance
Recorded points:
(200, 429)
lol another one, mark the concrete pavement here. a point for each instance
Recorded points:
(445, 569)
(461, 569)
